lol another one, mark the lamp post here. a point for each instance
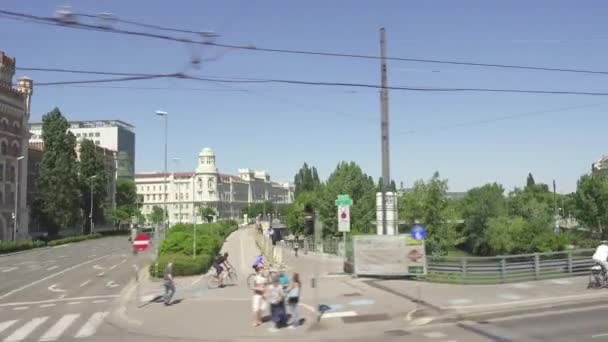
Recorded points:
(16, 218)
(91, 213)
(165, 116)
(177, 187)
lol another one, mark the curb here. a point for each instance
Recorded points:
(26, 251)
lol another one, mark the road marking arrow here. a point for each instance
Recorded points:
(53, 288)
(111, 284)
(97, 267)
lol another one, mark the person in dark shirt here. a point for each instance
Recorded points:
(169, 283)
(221, 262)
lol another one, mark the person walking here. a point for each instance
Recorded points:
(295, 248)
(169, 283)
(258, 296)
(276, 298)
(293, 298)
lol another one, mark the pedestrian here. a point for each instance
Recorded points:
(295, 248)
(169, 283)
(259, 285)
(276, 298)
(293, 298)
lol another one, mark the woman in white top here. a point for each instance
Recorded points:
(258, 296)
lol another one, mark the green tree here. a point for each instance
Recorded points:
(348, 179)
(427, 204)
(207, 213)
(530, 181)
(591, 203)
(480, 205)
(126, 193)
(92, 175)
(119, 216)
(296, 213)
(506, 235)
(157, 216)
(307, 179)
(58, 180)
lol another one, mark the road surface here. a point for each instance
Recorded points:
(62, 293)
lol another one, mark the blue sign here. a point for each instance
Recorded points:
(270, 230)
(418, 232)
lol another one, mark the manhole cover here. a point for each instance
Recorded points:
(365, 318)
(396, 332)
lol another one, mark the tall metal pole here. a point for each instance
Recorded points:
(165, 181)
(16, 218)
(164, 115)
(193, 221)
(91, 212)
(384, 128)
(178, 191)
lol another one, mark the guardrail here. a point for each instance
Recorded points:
(511, 268)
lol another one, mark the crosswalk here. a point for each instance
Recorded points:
(46, 329)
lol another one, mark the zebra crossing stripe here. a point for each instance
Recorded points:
(89, 328)
(7, 324)
(22, 333)
(56, 330)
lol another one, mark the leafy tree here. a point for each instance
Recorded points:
(157, 216)
(126, 194)
(427, 204)
(480, 205)
(58, 180)
(119, 216)
(391, 187)
(530, 181)
(307, 179)
(348, 178)
(207, 213)
(591, 203)
(505, 235)
(91, 165)
(296, 213)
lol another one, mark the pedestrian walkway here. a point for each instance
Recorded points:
(52, 328)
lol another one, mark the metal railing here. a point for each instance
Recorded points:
(511, 268)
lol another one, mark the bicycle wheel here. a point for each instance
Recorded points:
(232, 277)
(251, 281)
(213, 282)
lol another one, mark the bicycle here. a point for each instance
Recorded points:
(230, 279)
(268, 273)
(598, 278)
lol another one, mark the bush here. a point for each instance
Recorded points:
(183, 265)
(73, 239)
(16, 246)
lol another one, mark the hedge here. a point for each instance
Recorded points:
(16, 246)
(73, 239)
(178, 245)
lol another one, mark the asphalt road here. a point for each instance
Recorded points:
(62, 293)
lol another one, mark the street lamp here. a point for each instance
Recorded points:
(177, 191)
(91, 214)
(165, 116)
(16, 198)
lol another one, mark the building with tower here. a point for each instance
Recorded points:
(228, 195)
(15, 108)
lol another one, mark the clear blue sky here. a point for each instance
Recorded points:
(278, 127)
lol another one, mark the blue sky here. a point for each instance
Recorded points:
(278, 127)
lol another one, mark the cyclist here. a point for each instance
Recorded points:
(601, 256)
(219, 263)
(258, 261)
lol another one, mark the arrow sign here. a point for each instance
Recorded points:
(111, 284)
(53, 288)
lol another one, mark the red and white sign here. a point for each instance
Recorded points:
(141, 242)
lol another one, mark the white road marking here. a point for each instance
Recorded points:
(112, 267)
(101, 274)
(510, 296)
(198, 280)
(23, 332)
(62, 246)
(85, 283)
(92, 255)
(74, 303)
(52, 268)
(434, 334)
(522, 286)
(599, 335)
(111, 284)
(99, 301)
(97, 267)
(54, 288)
(8, 269)
(89, 328)
(19, 308)
(47, 305)
(561, 282)
(460, 301)
(59, 300)
(50, 277)
(7, 324)
(339, 314)
(58, 328)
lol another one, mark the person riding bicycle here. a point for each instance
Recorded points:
(219, 263)
(601, 256)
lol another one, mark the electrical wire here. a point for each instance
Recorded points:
(105, 80)
(53, 21)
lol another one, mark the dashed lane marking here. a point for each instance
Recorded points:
(339, 314)
(47, 305)
(20, 308)
(52, 268)
(85, 283)
(74, 303)
(434, 334)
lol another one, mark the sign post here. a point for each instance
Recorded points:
(344, 202)
(141, 242)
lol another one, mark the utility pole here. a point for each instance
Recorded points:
(386, 178)
(555, 214)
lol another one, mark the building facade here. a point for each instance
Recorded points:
(14, 121)
(113, 135)
(228, 195)
(600, 166)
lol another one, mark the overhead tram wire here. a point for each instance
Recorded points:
(52, 21)
(104, 80)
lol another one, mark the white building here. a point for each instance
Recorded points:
(186, 192)
(600, 166)
(114, 135)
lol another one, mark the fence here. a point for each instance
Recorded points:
(512, 268)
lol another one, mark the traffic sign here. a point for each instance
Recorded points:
(418, 232)
(344, 200)
(343, 218)
(141, 242)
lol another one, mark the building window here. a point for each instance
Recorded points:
(176, 198)
(78, 135)
(12, 173)
(148, 188)
(154, 197)
(4, 148)
(15, 149)
(1, 172)
(96, 142)
(186, 195)
(97, 134)
(16, 128)
(154, 188)
(176, 206)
